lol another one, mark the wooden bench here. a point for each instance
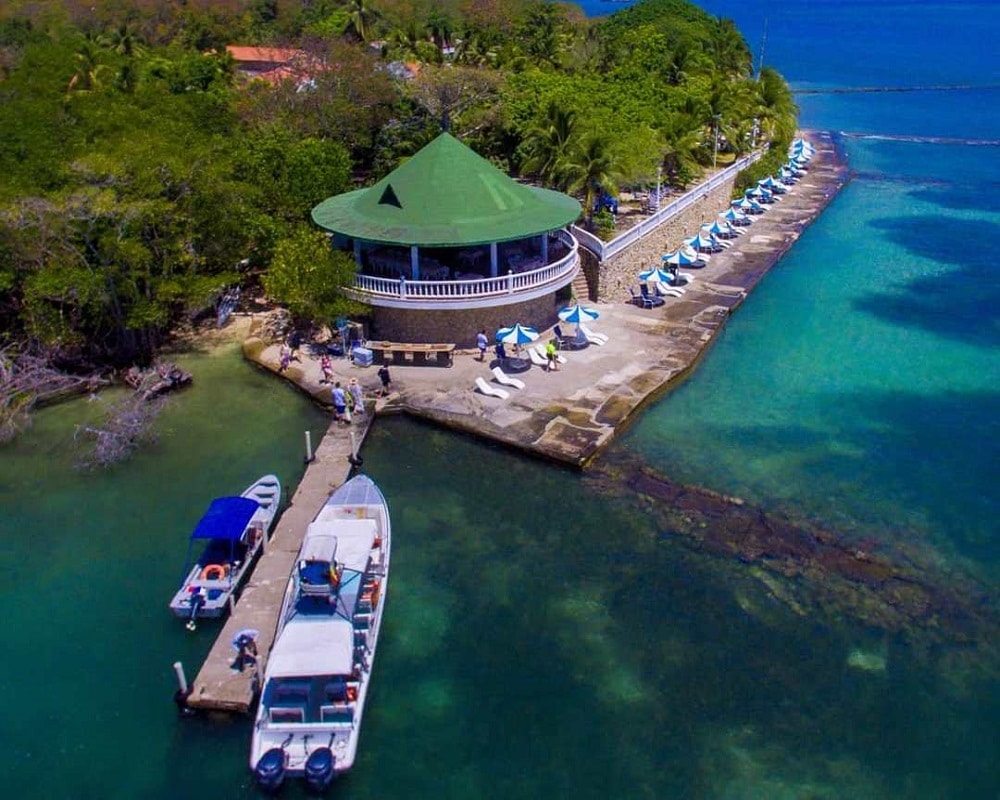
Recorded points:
(441, 355)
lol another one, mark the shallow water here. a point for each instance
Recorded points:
(543, 636)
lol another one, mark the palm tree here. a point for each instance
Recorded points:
(125, 42)
(593, 167)
(548, 144)
(89, 66)
(360, 15)
(778, 113)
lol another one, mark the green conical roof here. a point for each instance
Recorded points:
(446, 195)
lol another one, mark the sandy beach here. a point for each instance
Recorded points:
(570, 414)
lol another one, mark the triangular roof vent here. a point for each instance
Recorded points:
(389, 198)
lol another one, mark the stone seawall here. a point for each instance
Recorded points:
(621, 271)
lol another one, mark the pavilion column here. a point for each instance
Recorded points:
(357, 252)
(415, 262)
(545, 248)
(493, 259)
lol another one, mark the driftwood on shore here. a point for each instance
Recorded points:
(28, 380)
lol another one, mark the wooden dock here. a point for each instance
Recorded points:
(220, 687)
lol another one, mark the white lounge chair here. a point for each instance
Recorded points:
(502, 377)
(491, 391)
(545, 360)
(593, 336)
(537, 358)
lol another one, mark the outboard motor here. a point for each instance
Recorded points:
(319, 772)
(270, 770)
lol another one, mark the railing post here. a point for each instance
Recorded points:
(402, 288)
(510, 281)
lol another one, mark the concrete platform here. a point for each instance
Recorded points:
(218, 686)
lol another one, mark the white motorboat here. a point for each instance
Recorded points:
(317, 674)
(227, 538)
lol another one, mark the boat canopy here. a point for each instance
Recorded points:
(307, 647)
(226, 518)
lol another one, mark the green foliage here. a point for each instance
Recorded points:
(307, 274)
(139, 168)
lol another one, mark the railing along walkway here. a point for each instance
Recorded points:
(605, 250)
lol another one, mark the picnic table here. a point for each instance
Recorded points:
(401, 353)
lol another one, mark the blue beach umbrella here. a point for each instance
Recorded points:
(720, 229)
(772, 185)
(577, 313)
(684, 257)
(735, 217)
(517, 335)
(655, 275)
(703, 243)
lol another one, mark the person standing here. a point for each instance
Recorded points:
(481, 343)
(383, 375)
(326, 368)
(354, 389)
(339, 403)
(285, 358)
(552, 354)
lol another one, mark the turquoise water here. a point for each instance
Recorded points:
(544, 637)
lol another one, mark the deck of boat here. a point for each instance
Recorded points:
(218, 686)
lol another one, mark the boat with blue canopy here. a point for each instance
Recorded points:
(227, 540)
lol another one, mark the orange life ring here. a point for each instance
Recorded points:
(352, 694)
(214, 572)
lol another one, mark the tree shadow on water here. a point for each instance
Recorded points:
(960, 305)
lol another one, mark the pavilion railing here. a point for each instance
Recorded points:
(371, 286)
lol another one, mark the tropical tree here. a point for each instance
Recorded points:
(124, 42)
(89, 61)
(548, 145)
(777, 113)
(361, 14)
(593, 167)
(308, 276)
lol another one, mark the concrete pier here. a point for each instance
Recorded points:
(219, 686)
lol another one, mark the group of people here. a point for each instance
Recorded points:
(347, 402)
(551, 350)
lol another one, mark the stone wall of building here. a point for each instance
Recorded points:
(461, 326)
(621, 271)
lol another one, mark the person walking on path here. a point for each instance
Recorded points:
(481, 343)
(326, 368)
(383, 375)
(339, 404)
(285, 358)
(552, 354)
(354, 389)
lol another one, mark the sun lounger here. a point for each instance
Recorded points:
(666, 290)
(491, 391)
(543, 360)
(592, 336)
(502, 377)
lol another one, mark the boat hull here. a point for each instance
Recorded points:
(213, 580)
(318, 672)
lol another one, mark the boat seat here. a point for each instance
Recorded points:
(339, 712)
(335, 690)
(293, 714)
